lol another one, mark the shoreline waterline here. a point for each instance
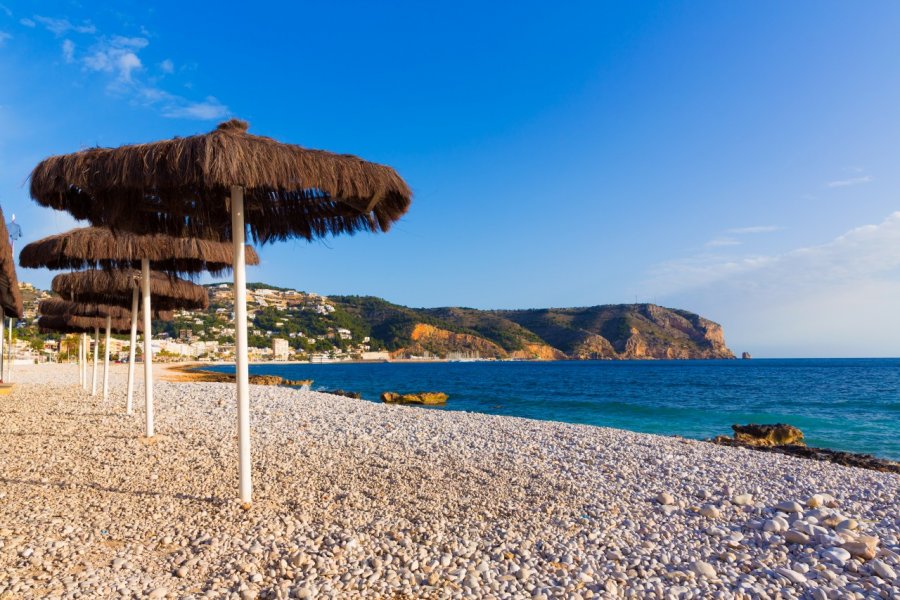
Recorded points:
(841, 404)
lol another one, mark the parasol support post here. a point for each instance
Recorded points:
(2, 363)
(94, 370)
(242, 375)
(148, 351)
(129, 402)
(106, 359)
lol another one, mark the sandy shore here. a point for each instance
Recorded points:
(358, 499)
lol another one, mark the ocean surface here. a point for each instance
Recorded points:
(843, 404)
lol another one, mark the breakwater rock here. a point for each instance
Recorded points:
(344, 393)
(787, 439)
(429, 398)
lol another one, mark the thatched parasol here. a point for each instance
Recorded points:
(177, 187)
(92, 247)
(60, 307)
(113, 287)
(214, 186)
(10, 296)
(78, 312)
(97, 286)
(79, 324)
(102, 247)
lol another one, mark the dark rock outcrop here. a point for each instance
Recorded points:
(787, 439)
(344, 393)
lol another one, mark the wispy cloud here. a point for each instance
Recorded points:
(116, 55)
(860, 252)
(837, 298)
(754, 229)
(60, 26)
(5, 9)
(68, 50)
(722, 241)
(849, 182)
(4, 36)
(27, 22)
(119, 59)
(206, 110)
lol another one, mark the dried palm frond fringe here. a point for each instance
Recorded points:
(180, 187)
(91, 247)
(114, 287)
(10, 296)
(62, 308)
(76, 324)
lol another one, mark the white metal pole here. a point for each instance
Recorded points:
(9, 353)
(148, 351)
(81, 360)
(131, 350)
(96, 352)
(106, 360)
(84, 354)
(2, 362)
(240, 326)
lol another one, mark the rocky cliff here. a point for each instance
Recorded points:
(610, 332)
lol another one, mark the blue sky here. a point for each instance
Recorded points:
(737, 159)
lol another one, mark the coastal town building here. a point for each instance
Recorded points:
(280, 349)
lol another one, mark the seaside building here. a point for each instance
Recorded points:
(280, 349)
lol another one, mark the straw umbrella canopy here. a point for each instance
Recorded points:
(10, 297)
(216, 186)
(79, 324)
(178, 187)
(92, 247)
(97, 286)
(106, 315)
(60, 307)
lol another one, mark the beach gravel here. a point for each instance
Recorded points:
(357, 499)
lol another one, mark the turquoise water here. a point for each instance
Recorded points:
(844, 404)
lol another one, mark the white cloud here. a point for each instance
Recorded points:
(5, 9)
(68, 50)
(3, 37)
(837, 298)
(849, 182)
(61, 26)
(207, 110)
(754, 229)
(27, 22)
(119, 59)
(117, 55)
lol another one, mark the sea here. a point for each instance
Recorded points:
(841, 404)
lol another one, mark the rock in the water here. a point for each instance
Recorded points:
(344, 393)
(779, 434)
(746, 355)
(416, 398)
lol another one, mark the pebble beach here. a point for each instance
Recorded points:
(355, 499)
